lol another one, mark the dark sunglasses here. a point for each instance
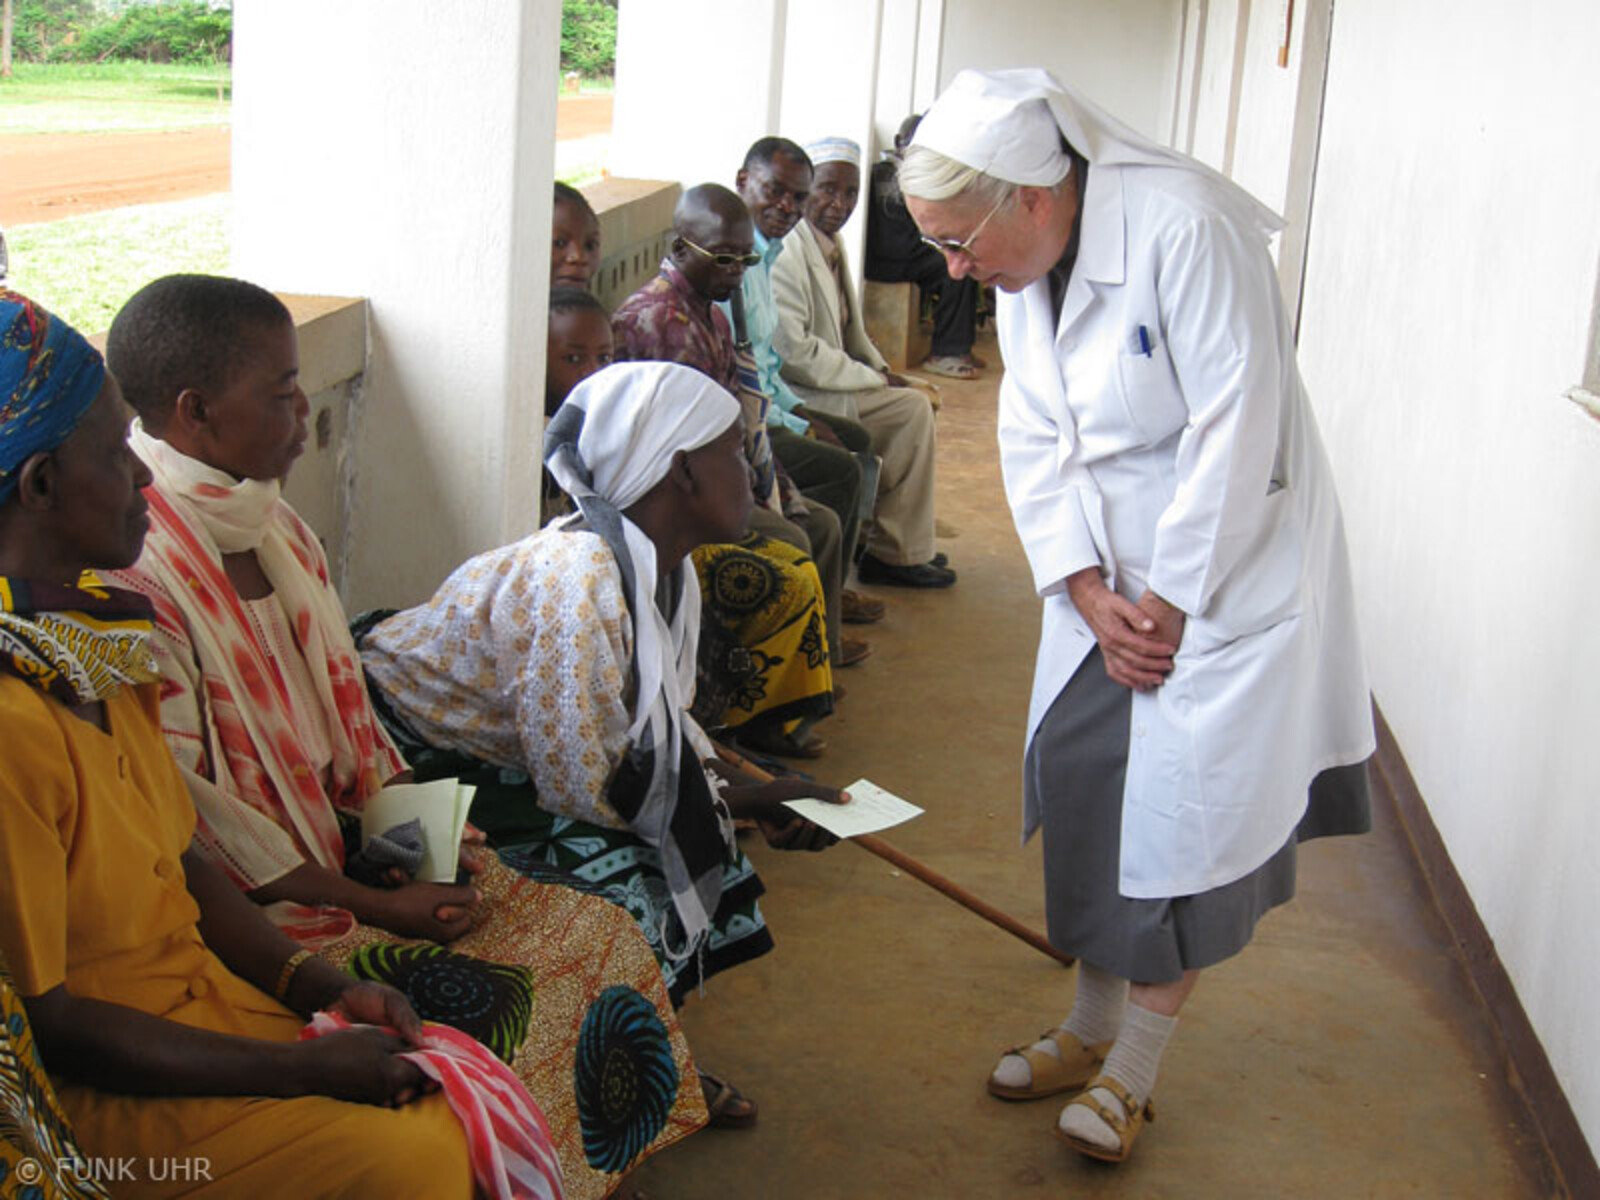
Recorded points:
(723, 260)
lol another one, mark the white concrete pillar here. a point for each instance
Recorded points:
(403, 152)
(697, 82)
(830, 86)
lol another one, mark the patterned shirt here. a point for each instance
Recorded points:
(522, 659)
(761, 321)
(668, 321)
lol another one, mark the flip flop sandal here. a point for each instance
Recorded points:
(784, 745)
(729, 1108)
(1126, 1128)
(950, 367)
(1049, 1075)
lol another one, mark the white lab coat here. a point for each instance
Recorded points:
(1186, 461)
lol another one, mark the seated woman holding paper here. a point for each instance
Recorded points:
(166, 1007)
(264, 707)
(563, 666)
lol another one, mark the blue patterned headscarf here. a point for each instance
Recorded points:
(49, 376)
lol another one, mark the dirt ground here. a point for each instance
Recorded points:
(47, 176)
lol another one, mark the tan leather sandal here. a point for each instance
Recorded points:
(1126, 1128)
(1049, 1075)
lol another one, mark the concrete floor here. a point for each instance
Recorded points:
(1341, 1055)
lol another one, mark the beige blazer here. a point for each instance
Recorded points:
(820, 347)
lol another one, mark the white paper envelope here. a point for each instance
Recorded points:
(441, 805)
(870, 809)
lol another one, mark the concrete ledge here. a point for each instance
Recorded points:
(332, 331)
(635, 225)
(333, 339)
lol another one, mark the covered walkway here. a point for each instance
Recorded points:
(1343, 1055)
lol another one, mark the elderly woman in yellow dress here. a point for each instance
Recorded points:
(166, 1006)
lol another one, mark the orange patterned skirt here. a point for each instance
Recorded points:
(563, 987)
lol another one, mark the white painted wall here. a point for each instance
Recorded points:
(404, 154)
(692, 123)
(1242, 112)
(830, 86)
(1218, 65)
(1449, 293)
(1122, 55)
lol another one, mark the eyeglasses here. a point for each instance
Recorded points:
(723, 260)
(964, 246)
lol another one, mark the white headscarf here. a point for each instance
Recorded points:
(610, 442)
(1009, 125)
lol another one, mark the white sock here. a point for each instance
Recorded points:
(1096, 1016)
(1133, 1062)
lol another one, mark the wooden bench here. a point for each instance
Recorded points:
(893, 314)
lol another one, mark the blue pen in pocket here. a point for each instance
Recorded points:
(1144, 341)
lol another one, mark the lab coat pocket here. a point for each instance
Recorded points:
(1265, 584)
(1150, 390)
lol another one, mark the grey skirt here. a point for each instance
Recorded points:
(1075, 768)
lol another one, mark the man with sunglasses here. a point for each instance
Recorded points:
(833, 366)
(673, 318)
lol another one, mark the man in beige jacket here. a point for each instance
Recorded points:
(832, 365)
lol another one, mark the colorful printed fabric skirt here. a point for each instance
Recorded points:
(763, 636)
(561, 987)
(615, 864)
(37, 1148)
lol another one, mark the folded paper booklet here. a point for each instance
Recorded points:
(870, 809)
(440, 805)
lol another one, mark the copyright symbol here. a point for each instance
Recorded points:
(29, 1170)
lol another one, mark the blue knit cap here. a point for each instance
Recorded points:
(49, 376)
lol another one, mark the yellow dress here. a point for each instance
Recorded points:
(92, 894)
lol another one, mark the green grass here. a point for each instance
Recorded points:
(84, 268)
(110, 97)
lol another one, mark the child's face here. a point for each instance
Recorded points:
(575, 248)
(580, 344)
(255, 424)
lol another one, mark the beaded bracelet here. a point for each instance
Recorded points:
(290, 966)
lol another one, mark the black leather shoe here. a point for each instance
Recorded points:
(940, 559)
(918, 575)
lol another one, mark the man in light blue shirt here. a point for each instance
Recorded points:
(774, 182)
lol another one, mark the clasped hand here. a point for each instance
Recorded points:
(440, 912)
(365, 1065)
(1137, 640)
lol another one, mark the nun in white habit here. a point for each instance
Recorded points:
(1199, 702)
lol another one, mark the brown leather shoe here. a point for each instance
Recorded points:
(860, 610)
(852, 651)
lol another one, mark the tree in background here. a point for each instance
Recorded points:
(41, 26)
(589, 36)
(186, 31)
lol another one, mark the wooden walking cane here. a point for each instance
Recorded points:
(921, 871)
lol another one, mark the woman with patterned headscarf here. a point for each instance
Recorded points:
(563, 666)
(164, 1045)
